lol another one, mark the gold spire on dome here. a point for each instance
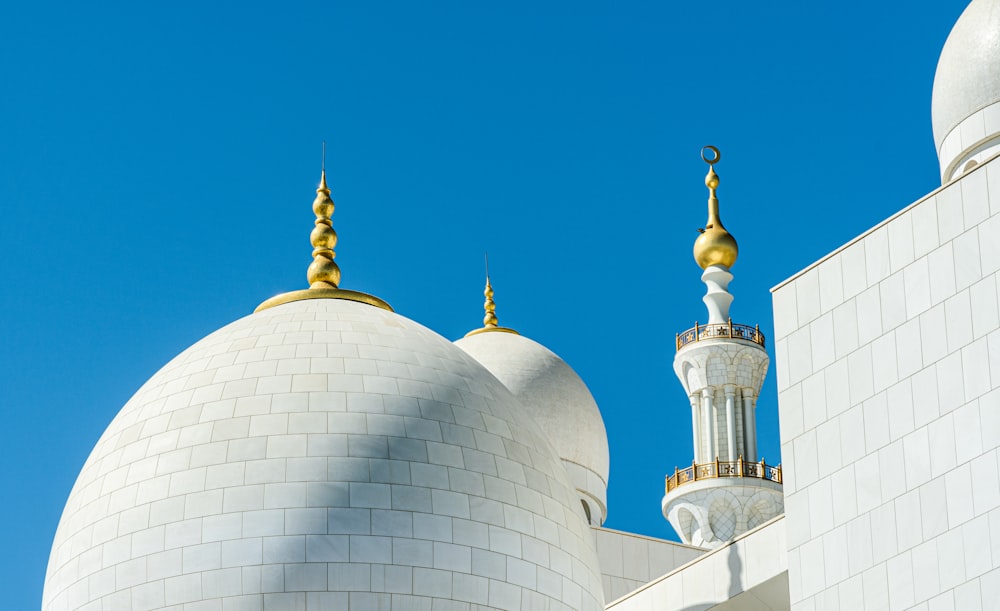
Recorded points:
(323, 274)
(490, 322)
(715, 245)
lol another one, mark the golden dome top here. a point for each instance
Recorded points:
(715, 245)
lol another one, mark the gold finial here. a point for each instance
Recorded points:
(490, 322)
(715, 245)
(323, 274)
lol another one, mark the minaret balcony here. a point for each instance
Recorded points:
(723, 468)
(728, 330)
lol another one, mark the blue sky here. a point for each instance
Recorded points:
(158, 161)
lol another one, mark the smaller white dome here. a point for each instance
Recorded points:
(964, 109)
(559, 401)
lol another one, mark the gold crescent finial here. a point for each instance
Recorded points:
(715, 245)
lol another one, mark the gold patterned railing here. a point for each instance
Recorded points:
(723, 468)
(723, 330)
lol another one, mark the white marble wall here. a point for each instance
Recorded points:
(630, 561)
(745, 575)
(888, 365)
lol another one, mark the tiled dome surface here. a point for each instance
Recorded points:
(557, 399)
(322, 454)
(968, 72)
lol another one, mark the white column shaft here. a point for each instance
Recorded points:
(717, 299)
(696, 427)
(731, 422)
(750, 426)
(709, 413)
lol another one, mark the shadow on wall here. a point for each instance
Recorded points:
(735, 569)
(735, 582)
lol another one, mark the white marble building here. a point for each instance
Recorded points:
(325, 452)
(888, 365)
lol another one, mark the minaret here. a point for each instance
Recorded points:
(727, 490)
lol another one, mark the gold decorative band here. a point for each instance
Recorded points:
(720, 331)
(490, 330)
(324, 294)
(723, 468)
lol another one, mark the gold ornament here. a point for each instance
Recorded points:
(323, 273)
(715, 245)
(490, 322)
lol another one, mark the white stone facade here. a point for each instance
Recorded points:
(630, 561)
(888, 361)
(748, 574)
(323, 454)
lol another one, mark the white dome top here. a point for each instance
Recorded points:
(968, 72)
(554, 394)
(322, 454)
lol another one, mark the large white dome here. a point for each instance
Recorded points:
(559, 401)
(322, 454)
(966, 88)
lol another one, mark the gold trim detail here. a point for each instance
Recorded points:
(324, 294)
(723, 468)
(728, 330)
(490, 330)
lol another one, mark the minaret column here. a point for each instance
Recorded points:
(749, 425)
(731, 420)
(717, 298)
(708, 410)
(696, 426)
